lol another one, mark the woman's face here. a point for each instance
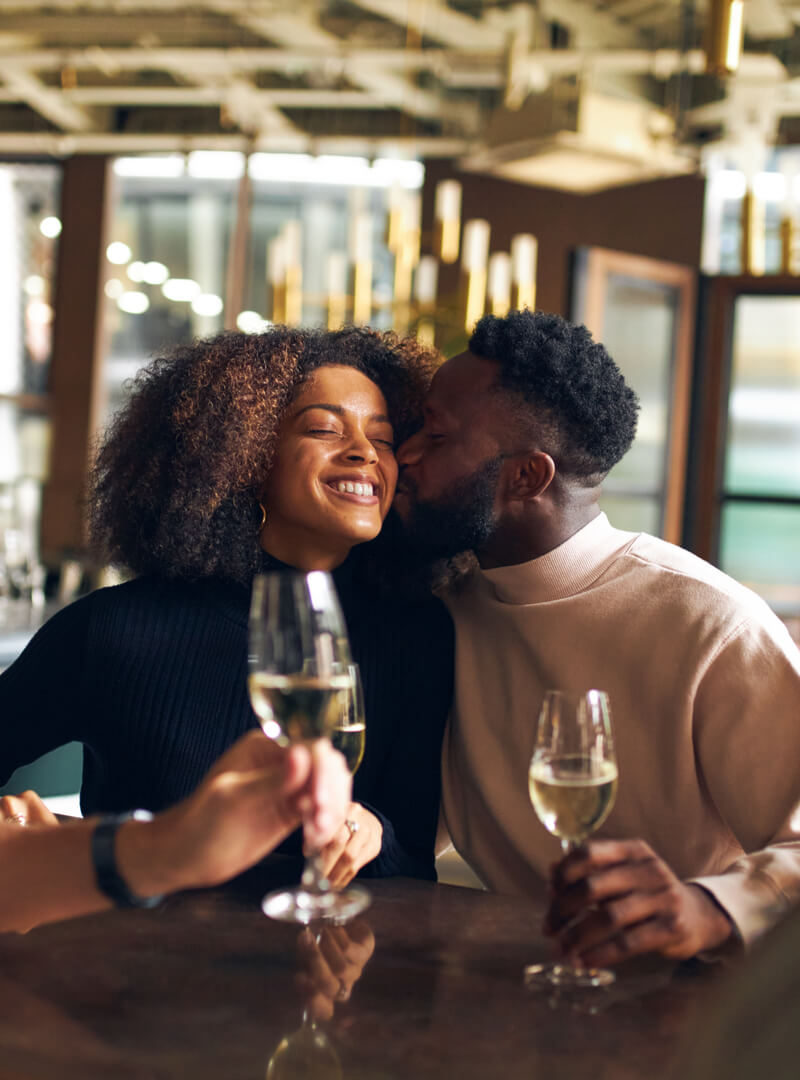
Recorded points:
(335, 472)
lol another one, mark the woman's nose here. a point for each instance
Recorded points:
(361, 449)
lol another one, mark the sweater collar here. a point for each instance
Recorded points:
(343, 575)
(562, 572)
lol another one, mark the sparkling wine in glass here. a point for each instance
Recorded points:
(572, 782)
(349, 733)
(300, 678)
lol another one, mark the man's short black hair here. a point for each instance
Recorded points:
(578, 397)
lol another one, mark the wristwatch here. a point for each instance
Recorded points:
(109, 880)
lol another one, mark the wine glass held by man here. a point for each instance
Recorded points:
(254, 796)
(572, 782)
(235, 456)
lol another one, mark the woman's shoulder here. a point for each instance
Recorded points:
(159, 598)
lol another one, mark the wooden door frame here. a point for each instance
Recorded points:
(718, 296)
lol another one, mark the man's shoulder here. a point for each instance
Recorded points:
(694, 582)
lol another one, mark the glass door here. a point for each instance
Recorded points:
(759, 530)
(643, 312)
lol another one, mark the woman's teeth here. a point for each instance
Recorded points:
(346, 487)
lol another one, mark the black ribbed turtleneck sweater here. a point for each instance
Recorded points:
(151, 676)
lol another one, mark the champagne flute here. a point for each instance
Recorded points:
(572, 782)
(349, 733)
(300, 672)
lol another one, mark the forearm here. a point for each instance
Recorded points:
(757, 889)
(41, 706)
(48, 875)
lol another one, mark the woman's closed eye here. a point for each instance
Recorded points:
(332, 432)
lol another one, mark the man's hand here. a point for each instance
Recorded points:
(349, 850)
(613, 899)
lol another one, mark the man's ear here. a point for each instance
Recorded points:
(532, 475)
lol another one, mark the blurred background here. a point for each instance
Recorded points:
(170, 169)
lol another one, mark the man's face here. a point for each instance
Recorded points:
(450, 469)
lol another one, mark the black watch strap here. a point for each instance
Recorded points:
(108, 878)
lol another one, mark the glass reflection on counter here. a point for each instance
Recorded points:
(330, 961)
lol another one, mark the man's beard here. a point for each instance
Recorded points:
(462, 521)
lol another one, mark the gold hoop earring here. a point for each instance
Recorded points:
(263, 521)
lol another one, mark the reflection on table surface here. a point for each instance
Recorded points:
(428, 984)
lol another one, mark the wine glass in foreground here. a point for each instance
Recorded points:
(572, 783)
(300, 676)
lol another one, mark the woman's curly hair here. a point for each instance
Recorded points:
(173, 491)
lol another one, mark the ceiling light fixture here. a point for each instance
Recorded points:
(724, 35)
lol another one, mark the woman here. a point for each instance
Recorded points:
(235, 455)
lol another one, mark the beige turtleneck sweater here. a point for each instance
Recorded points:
(704, 683)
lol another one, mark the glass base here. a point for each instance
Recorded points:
(566, 976)
(298, 905)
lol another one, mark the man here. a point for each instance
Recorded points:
(701, 847)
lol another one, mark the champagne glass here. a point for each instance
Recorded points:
(300, 674)
(572, 782)
(349, 733)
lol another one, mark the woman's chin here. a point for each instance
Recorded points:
(359, 533)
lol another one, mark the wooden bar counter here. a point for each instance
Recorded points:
(206, 987)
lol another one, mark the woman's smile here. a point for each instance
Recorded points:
(356, 488)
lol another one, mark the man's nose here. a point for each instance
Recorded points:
(409, 452)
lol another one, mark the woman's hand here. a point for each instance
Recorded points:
(25, 809)
(356, 842)
(331, 963)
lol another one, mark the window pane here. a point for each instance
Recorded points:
(29, 226)
(639, 332)
(634, 513)
(759, 546)
(175, 228)
(763, 451)
(170, 237)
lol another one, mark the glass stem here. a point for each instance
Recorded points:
(313, 879)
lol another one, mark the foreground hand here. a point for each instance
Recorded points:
(349, 850)
(255, 795)
(613, 899)
(25, 809)
(330, 964)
